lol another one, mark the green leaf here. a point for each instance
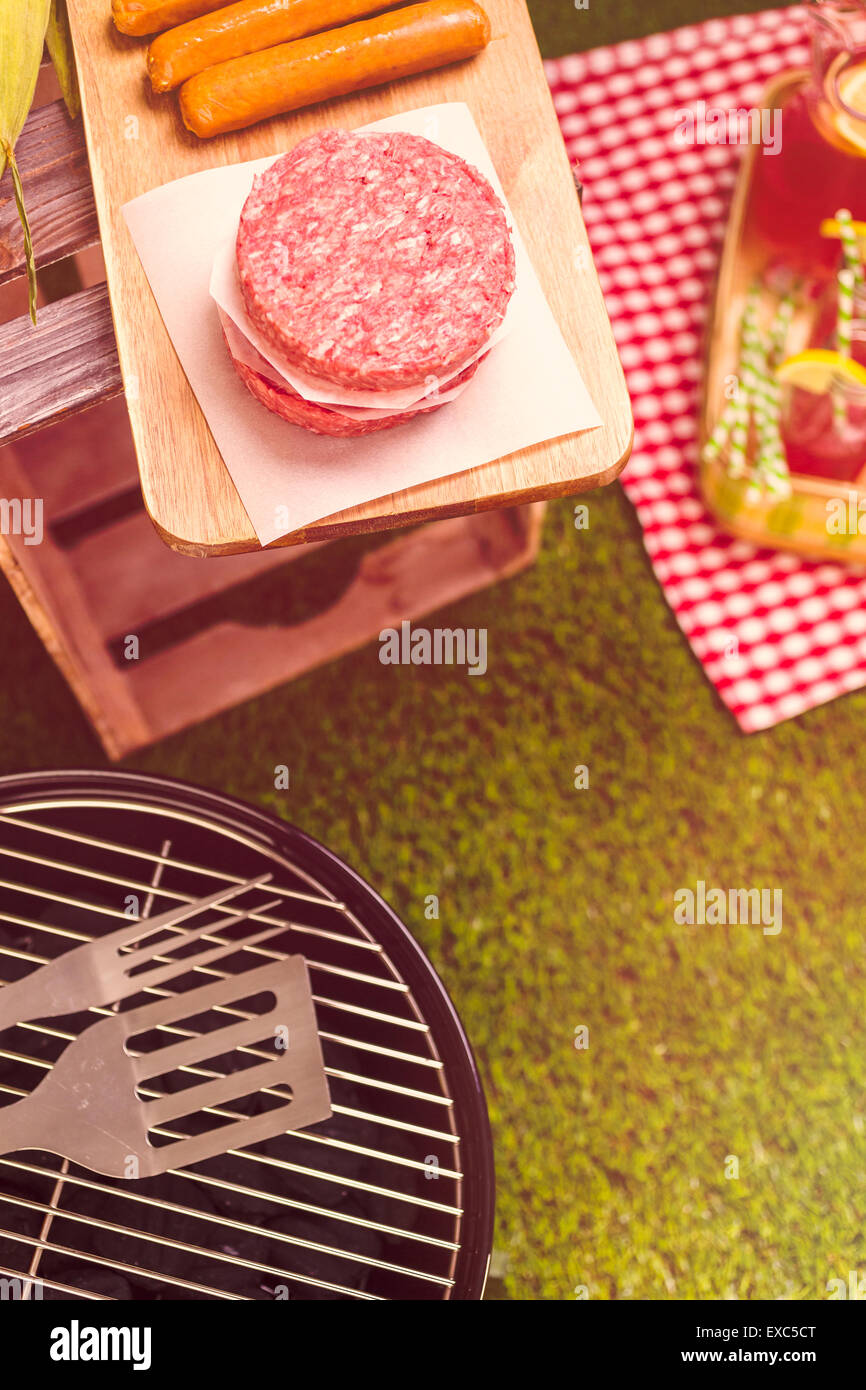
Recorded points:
(59, 42)
(22, 34)
(28, 240)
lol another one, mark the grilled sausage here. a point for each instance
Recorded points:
(150, 16)
(242, 91)
(243, 28)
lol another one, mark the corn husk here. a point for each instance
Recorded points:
(59, 43)
(22, 33)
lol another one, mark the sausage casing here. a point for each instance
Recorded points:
(236, 94)
(245, 27)
(139, 17)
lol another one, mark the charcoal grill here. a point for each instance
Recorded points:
(392, 1198)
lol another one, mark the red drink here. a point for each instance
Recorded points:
(821, 165)
(825, 435)
(820, 444)
(801, 186)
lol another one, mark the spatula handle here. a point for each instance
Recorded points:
(31, 998)
(14, 1005)
(22, 1126)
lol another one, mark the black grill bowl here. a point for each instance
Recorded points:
(392, 1198)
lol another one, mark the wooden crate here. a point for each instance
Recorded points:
(102, 574)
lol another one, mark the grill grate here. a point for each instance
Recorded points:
(346, 1209)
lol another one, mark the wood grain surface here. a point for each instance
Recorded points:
(137, 141)
(65, 364)
(52, 158)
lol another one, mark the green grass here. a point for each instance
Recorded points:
(562, 28)
(557, 908)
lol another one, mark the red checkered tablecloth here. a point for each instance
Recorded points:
(776, 635)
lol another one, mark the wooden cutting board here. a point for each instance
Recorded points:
(137, 141)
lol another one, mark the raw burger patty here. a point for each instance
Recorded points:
(374, 260)
(322, 419)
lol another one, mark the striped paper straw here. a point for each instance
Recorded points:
(778, 474)
(753, 356)
(781, 327)
(850, 243)
(719, 437)
(751, 368)
(844, 323)
(771, 465)
(732, 427)
(754, 490)
(758, 401)
(845, 315)
(738, 461)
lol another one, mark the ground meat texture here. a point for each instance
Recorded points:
(374, 260)
(323, 419)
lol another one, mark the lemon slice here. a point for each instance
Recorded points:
(830, 228)
(817, 369)
(852, 91)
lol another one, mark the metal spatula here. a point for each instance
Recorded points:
(86, 1109)
(100, 972)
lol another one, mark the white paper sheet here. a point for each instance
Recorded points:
(529, 389)
(226, 293)
(246, 346)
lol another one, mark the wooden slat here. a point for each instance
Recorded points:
(66, 364)
(84, 463)
(52, 157)
(48, 591)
